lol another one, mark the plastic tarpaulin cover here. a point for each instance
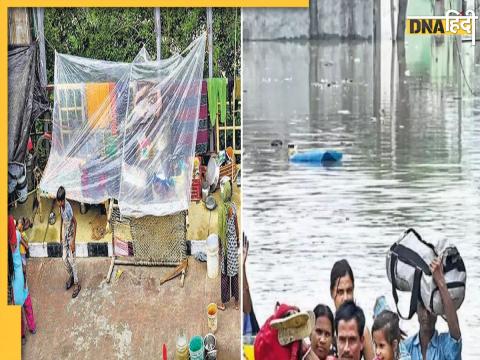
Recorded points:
(26, 98)
(126, 130)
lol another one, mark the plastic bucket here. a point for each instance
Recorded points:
(210, 342)
(212, 311)
(205, 190)
(182, 347)
(210, 347)
(211, 355)
(212, 256)
(196, 348)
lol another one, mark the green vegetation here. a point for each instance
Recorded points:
(119, 34)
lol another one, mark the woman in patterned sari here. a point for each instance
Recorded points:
(229, 244)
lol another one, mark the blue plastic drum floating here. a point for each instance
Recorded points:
(313, 156)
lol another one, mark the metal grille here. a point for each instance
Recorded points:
(156, 240)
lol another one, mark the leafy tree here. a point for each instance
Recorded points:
(119, 34)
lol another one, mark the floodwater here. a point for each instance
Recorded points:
(409, 127)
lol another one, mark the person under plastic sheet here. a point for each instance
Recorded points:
(146, 113)
(143, 155)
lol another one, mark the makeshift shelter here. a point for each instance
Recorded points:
(126, 131)
(27, 100)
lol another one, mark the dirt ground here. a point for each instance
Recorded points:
(87, 229)
(130, 318)
(201, 221)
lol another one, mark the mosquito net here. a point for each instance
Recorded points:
(126, 130)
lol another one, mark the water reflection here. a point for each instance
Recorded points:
(409, 129)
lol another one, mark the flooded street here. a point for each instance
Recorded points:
(409, 127)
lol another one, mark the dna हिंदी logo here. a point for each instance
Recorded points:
(453, 23)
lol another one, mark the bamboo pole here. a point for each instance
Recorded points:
(210, 64)
(158, 33)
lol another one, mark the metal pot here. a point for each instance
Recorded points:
(210, 343)
(52, 218)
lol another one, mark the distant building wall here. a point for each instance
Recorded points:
(335, 18)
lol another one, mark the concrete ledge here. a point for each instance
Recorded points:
(101, 249)
(83, 250)
(38, 250)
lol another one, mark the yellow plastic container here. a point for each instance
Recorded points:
(248, 353)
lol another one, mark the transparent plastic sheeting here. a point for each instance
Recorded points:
(126, 130)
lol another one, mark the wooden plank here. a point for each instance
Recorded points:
(19, 27)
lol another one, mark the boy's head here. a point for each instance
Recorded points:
(61, 196)
(27, 224)
(20, 224)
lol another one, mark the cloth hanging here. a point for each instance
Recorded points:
(202, 132)
(238, 89)
(99, 104)
(217, 92)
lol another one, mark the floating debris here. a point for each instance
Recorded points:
(343, 112)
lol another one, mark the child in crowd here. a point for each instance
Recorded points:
(386, 333)
(23, 224)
